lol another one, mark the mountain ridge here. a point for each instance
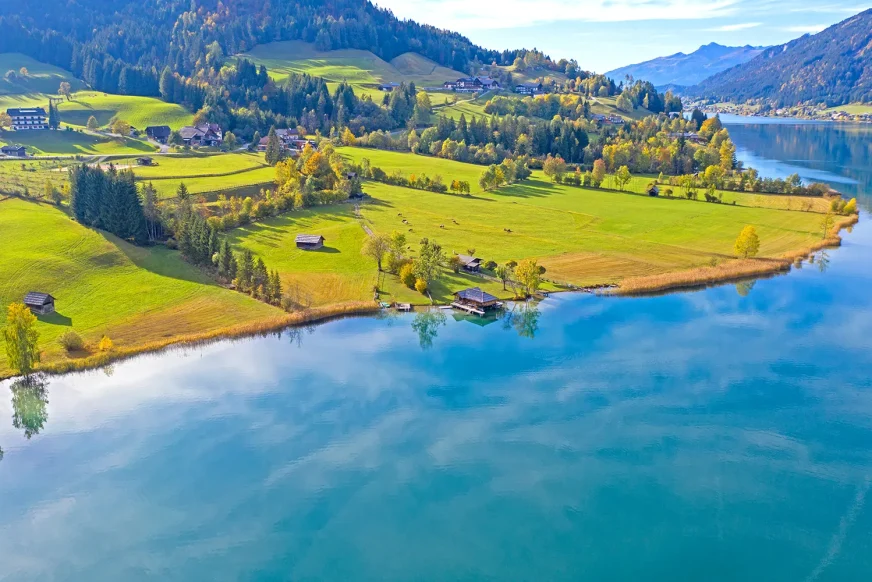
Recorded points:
(832, 67)
(686, 69)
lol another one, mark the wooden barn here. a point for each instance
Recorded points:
(471, 264)
(40, 303)
(310, 242)
(475, 300)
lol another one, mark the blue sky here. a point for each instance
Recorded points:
(606, 34)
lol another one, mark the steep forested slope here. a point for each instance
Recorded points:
(832, 67)
(123, 45)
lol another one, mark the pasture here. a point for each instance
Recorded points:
(140, 112)
(102, 285)
(357, 67)
(71, 143)
(40, 78)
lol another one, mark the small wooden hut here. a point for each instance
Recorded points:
(475, 300)
(310, 242)
(40, 303)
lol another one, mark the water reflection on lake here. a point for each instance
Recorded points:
(718, 435)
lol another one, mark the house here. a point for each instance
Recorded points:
(471, 264)
(598, 117)
(144, 161)
(653, 190)
(615, 119)
(475, 300)
(310, 242)
(289, 140)
(207, 134)
(473, 84)
(40, 303)
(158, 133)
(14, 151)
(388, 87)
(24, 118)
(449, 85)
(528, 88)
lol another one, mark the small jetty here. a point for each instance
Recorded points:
(468, 308)
(403, 307)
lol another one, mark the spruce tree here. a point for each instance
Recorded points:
(260, 277)
(246, 271)
(273, 148)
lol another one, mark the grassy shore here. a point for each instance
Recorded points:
(146, 298)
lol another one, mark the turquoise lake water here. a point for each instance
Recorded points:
(716, 435)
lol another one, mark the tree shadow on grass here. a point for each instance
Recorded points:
(527, 189)
(56, 319)
(325, 250)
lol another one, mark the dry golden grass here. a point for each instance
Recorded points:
(730, 271)
(318, 314)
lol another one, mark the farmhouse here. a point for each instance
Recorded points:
(14, 151)
(471, 264)
(289, 140)
(472, 84)
(159, 133)
(207, 134)
(475, 301)
(40, 303)
(388, 87)
(310, 242)
(528, 88)
(28, 118)
(449, 85)
(615, 119)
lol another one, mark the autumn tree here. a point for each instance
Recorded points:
(5, 120)
(376, 247)
(599, 172)
(22, 339)
(529, 275)
(827, 223)
(120, 127)
(623, 177)
(748, 243)
(93, 125)
(554, 167)
(429, 263)
(66, 90)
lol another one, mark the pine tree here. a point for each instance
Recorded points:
(226, 261)
(273, 148)
(246, 271)
(182, 192)
(276, 287)
(260, 277)
(54, 118)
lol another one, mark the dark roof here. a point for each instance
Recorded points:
(37, 299)
(12, 148)
(476, 295)
(466, 260)
(26, 111)
(309, 239)
(158, 130)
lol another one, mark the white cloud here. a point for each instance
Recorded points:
(735, 27)
(491, 14)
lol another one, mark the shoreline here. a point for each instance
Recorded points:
(732, 271)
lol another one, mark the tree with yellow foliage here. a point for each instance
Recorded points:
(748, 243)
(22, 340)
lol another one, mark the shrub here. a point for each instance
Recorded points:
(172, 244)
(421, 286)
(850, 207)
(105, 344)
(407, 275)
(71, 341)
(454, 263)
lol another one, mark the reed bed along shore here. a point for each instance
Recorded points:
(730, 271)
(314, 315)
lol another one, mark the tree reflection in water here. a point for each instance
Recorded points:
(426, 324)
(523, 318)
(743, 288)
(29, 404)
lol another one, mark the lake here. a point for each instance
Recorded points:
(715, 435)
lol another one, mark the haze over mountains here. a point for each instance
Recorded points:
(832, 67)
(688, 69)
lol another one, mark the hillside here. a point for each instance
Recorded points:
(356, 66)
(40, 77)
(832, 67)
(683, 69)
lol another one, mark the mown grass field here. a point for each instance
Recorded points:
(408, 164)
(67, 143)
(582, 236)
(140, 112)
(357, 67)
(853, 108)
(41, 78)
(193, 164)
(105, 286)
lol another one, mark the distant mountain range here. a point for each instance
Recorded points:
(831, 67)
(688, 69)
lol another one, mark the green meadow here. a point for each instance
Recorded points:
(104, 286)
(67, 143)
(357, 67)
(40, 79)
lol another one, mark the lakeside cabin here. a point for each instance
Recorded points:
(310, 242)
(471, 264)
(40, 303)
(475, 301)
